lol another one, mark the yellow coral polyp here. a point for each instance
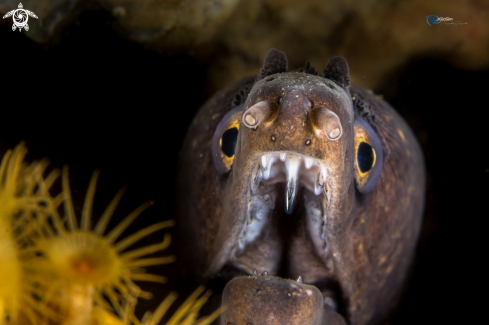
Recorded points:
(83, 258)
(10, 277)
(77, 258)
(56, 272)
(23, 192)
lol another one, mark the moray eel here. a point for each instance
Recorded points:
(299, 176)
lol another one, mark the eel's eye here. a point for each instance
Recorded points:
(365, 157)
(225, 140)
(368, 156)
(228, 141)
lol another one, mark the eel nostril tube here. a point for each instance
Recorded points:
(256, 114)
(328, 122)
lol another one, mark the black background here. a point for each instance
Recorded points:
(96, 101)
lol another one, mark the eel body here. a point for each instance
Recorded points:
(293, 174)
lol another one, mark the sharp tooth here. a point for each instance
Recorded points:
(318, 185)
(292, 172)
(283, 155)
(308, 163)
(264, 160)
(240, 245)
(330, 302)
(324, 172)
(266, 170)
(320, 179)
(255, 180)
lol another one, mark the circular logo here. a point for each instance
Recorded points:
(432, 19)
(20, 17)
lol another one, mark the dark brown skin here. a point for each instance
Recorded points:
(269, 300)
(353, 242)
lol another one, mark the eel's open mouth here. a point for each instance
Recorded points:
(295, 171)
(270, 233)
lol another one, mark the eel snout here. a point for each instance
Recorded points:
(270, 300)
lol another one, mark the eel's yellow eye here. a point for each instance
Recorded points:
(225, 140)
(365, 157)
(368, 156)
(228, 142)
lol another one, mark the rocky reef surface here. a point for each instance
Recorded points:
(231, 36)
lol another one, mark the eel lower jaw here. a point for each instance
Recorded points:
(271, 300)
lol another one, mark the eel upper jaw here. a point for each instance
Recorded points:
(298, 170)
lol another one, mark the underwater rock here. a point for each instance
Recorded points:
(376, 37)
(170, 23)
(231, 36)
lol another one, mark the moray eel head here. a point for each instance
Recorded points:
(298, 183)
(292, 169)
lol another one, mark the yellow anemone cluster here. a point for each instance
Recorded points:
(56, 271)
(23, 203)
